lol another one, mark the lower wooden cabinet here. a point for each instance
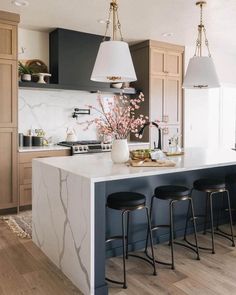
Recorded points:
(25, 172)
(8, 168)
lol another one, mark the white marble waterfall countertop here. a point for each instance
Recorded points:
(99, 167)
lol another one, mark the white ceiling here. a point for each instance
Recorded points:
(140, 19)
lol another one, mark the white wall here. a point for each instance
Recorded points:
(35, 45)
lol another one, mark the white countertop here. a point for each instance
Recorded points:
(87, 165)
(58, 147)
(42, 148)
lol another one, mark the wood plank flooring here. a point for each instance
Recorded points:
(25, 270)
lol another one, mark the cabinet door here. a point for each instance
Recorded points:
(8, 168)
(157, 61)
(173, 64)
(8, 93)
(167, 133)
(8, 41)
(156, 104)
(172, 101)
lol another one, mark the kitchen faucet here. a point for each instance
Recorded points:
(159, 145)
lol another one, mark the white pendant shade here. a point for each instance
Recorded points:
(201, 73)
(113, 63)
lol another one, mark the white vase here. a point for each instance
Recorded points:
(120, 151)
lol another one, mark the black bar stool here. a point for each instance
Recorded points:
(126, 202)
(212, 187)
(173, 194)
(230, 179)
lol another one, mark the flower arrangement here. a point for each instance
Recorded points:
(117, 118)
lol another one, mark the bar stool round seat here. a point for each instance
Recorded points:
(213, 189)
(125, 200)
(126, 203)
(209, 185)
(172, 192)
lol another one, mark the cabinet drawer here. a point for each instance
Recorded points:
(27, 157)
(25, 195)
(25, 173)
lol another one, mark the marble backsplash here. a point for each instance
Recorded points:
(51, 110)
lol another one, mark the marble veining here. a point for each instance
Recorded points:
(61, 222)
(52, 110)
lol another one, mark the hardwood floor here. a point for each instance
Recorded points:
(212, 275)
(24, 269)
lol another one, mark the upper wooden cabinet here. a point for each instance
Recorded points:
(165, 62)
(8, 93)
(159, 69)
(8, 41)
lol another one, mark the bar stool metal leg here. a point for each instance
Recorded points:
(206, 214)
(230, 219)
(172, 234)
(123, 246)
(195, 227)
(127, 235)
(186, 223)
(212, 223)
(148, 232)
(151, 242)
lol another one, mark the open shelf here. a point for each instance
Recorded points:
(34, 85)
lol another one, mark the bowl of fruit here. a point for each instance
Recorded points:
(140, 154)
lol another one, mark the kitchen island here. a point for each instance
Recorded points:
(70, 220)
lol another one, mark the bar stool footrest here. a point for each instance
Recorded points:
(200, 247)
(116, 282)
(158, 261)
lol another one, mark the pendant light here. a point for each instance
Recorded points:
(113, 62)
(201, 72)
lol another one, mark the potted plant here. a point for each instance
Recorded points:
(117, 120)
(25, 72)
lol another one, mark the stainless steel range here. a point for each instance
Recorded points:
(86, 146)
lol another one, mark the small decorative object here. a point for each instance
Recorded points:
(41, 77)
(117, 119)
(37, 66)
(117, 85)
(71, 135)
(25, 72)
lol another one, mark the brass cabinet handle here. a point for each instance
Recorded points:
(166, 130)
(166, 72)
(165, 118)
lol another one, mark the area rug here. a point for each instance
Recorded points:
(20, 224)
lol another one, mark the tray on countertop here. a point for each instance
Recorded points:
(150, 163)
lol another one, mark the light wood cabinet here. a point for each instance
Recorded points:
(8, 41)
(8, 110)
(8, 93)
(159, 68)
(8, 168)
(25, 172)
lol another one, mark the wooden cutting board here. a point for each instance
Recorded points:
(150, 163)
